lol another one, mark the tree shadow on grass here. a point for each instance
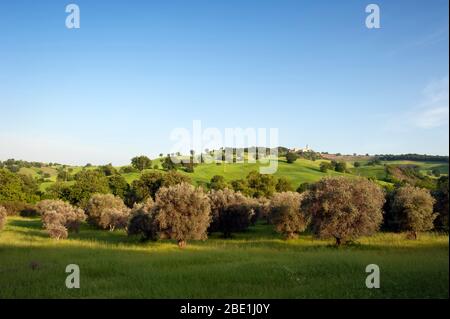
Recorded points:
(26, 223)
(32, 233)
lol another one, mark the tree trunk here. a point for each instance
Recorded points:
(338, 241)
(181, 243)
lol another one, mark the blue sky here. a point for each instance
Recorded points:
(136, 70)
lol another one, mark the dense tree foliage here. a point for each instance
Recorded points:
(441, 195)
(343, 208)
(141, 162)
(261, 208)
(325, 166)
(341, 167)
(59, 217)
(220, 201)
(149, 184)
(218, 182)
(286, 216)
(401, 175)
(413, 157)
(88, 183)
(142, 221)
(260, 185)
(283, 185)
(168, 164)
(235, 218)
(118, 186)
(146, 186)
(15, 165)
(291, 157)
(182, 212)
(107, 211)
(303, 187)
(412, 208)
(108, 170)
(17, 187)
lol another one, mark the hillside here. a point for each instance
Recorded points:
(300, 171)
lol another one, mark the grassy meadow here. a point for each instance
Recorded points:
(254, 264)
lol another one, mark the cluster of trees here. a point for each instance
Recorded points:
(254, 184)
(401, 175)
(339, 208)
(333, 166)
(15, 165)
(166, 205)
(17, 187)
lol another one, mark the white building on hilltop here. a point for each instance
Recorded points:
(304, 149)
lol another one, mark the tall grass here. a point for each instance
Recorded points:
(255, 264)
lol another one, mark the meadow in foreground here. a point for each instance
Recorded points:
(254, 264)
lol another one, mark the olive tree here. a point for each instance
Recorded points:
(182, 212)
(344, 208)
(59, 217)
(262, 209)
(107, 211)
(235, 218)
(412, 208)
(141, 220)
(220, 201)
(286, 216)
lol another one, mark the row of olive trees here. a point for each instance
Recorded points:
(345, 209)
(338, 208)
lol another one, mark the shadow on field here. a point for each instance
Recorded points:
(26, 223)
(260, 236)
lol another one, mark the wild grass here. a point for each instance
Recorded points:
(255, 264)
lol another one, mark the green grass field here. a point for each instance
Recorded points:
(255, 264)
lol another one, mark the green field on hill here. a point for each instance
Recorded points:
(300, 171)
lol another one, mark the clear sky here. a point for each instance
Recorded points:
(136, 70)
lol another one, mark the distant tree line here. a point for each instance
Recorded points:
(413, 157)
